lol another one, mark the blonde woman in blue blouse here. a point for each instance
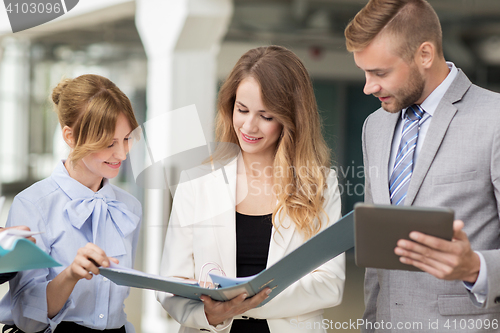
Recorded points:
(86, 221)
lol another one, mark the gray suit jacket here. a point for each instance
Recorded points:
(458, 167)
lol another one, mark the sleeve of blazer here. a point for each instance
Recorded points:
(492, 257)
(371, 281)
(178, 261)
(322, 288)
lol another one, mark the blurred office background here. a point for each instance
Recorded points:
(168, 54)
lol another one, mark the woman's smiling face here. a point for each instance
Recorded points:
(257, 130)
(106, 162)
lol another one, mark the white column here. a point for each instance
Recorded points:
(14, 109)
(182, 39)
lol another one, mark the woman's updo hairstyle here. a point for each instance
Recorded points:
(90, 106)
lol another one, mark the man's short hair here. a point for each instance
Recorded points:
(413, 22)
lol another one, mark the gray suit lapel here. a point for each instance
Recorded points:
(387, 128)
(441, 120)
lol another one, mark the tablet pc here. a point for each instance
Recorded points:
(377, 229)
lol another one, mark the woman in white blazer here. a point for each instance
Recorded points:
(244, 217)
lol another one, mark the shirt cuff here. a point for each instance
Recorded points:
(224, 325)
(480, 288)
(210, 328)
(219, 328)
(60, 315)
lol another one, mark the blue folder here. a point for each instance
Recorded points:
(24, 255)
(321, 248)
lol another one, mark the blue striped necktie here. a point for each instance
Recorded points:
(403, 165)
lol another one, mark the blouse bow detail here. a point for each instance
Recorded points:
(109, 218)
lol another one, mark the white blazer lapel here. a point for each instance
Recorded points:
(225, 226)
(280, 241)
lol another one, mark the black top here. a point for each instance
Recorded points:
(253, 235)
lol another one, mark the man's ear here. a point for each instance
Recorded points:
(67, 134)
(425, 56)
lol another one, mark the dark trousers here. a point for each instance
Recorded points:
(66, 327)
(249, 325)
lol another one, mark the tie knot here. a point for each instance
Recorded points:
(414, 112)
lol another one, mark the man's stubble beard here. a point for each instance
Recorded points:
(408, 94)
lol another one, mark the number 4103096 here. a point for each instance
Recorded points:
(33, 8)
(471, 324)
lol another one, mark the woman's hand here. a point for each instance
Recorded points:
(87, 262)
(217, 312)
(21, 227)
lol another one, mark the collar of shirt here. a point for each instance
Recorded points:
(74, 189)
(107, 215)
(431, 103)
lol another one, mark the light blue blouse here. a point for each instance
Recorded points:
(71, 215)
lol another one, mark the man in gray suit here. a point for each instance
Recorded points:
(435, 142)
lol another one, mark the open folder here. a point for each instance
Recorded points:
(21, 254)
(324, 246)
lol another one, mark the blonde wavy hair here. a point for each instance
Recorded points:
(302, 159)
(90, 106)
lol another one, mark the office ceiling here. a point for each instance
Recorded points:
(471, 28)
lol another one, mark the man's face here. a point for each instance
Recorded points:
(394, 81)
